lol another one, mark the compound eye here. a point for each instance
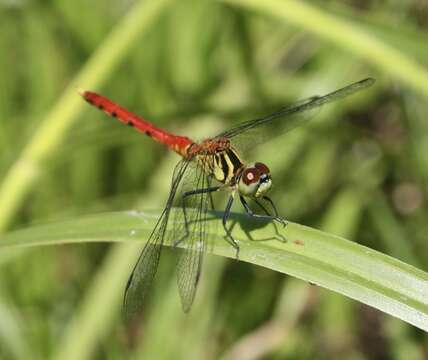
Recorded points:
(262, 168)
(250, 176)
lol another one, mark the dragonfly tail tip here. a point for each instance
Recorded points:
(80, 91)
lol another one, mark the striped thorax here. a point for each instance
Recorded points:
(220, 159)
(223, 164)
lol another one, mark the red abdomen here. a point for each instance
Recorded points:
(180, 144)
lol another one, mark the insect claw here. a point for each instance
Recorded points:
(281, 238)
(281, 221)
(234, 243)
(237, 253)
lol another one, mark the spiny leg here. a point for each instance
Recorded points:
(262, 207)
(226, 216)
(208, 190)
(278, 235)
(268, 199)
(209, 180)
(261, 217)
(275, 211)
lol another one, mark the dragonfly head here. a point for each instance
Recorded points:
(255, 180)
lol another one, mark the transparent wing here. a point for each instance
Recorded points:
(190, 232)
(144, 271)
(289, 117)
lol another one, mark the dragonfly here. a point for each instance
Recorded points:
(205, 168)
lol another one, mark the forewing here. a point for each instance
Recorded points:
(144, 271)
(289, 117)
(191, 240)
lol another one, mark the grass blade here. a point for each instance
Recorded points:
(308, 254)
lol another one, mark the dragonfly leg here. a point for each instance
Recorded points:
(278, 235)
(226, 216)
(210, 194)
(208, 190)
(275, 211)
(262, 207)
(262, 217)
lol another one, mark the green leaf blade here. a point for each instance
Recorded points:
(332, 262)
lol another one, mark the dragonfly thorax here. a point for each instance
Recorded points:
(254, 180)
(224, 164)
(221, 160)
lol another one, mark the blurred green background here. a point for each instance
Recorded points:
(359, 170)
